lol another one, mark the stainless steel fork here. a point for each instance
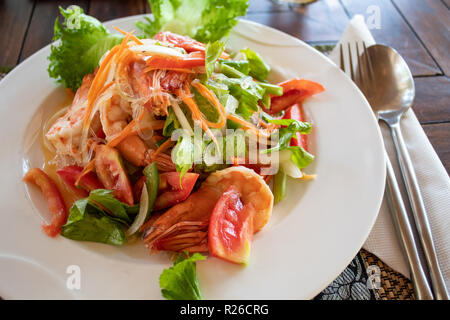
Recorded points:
(397, 208)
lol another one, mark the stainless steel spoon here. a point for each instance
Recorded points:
(390, 92)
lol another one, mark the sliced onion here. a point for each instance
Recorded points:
(289, 167)
(155, 50)
(143, 208)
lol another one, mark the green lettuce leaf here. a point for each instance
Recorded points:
(171, 123)
(203, 20)
(206, 107)
(258, 68)
(183, 154)
(299, 156)
(293, 126)
(245, 90)
(82, 42)
(242, 66)
(212, 53)
(180, 281)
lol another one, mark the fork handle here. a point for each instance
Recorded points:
(405, 235)
(419, 213)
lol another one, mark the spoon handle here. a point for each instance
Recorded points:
(419, 213)
(405, 234)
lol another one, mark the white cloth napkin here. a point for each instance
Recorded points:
(433, 180)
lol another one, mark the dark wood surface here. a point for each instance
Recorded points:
(418, 29)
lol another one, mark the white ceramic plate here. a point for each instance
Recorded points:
(313, 235)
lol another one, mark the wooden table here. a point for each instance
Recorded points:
(418, 29)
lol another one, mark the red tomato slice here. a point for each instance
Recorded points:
(194, 59)
(296, 112)
(294, 91)
(112, 174)
(307, 86)
(184, 42)
(280, 103)
(88, 182)
(137, 188)
(230, 229)
(70, 174)
(54, 199)
(177, 193)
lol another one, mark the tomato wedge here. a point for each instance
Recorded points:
(112, 174)
(296, 112)
(137, 188)
(177, 192)
(89, 181)
(294, 91)
(70, 174)
(54, 199)
(230, 229)
(307, 86)
(184, 42)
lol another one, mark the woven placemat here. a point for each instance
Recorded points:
(393, 285)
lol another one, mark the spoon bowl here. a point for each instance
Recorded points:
(390, 89)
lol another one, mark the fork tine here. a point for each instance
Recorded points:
(368, 62)
(352, 75)
(341, 55)
(359, 65)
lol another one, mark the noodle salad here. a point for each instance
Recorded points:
(170, 138)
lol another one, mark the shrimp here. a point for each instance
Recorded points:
(65, 133)
(136, 95)
(114, 115)
(185, 225)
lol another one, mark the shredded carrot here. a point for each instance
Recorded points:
(123, 61)
(269, 126)
(215, 102)
(196, 111)
(127, 131)
(135, 39)
(157, 138)
(88, 168)
(190, 102)
(196, 114)
(98, 83)
(267, 179)
(122, 47)
(163, 147)
(102, 90)
(307, 177)
(247, 125)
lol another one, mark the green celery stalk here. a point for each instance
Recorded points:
(152, 182)
(230, 71)
(279, 186)
(271, 88)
